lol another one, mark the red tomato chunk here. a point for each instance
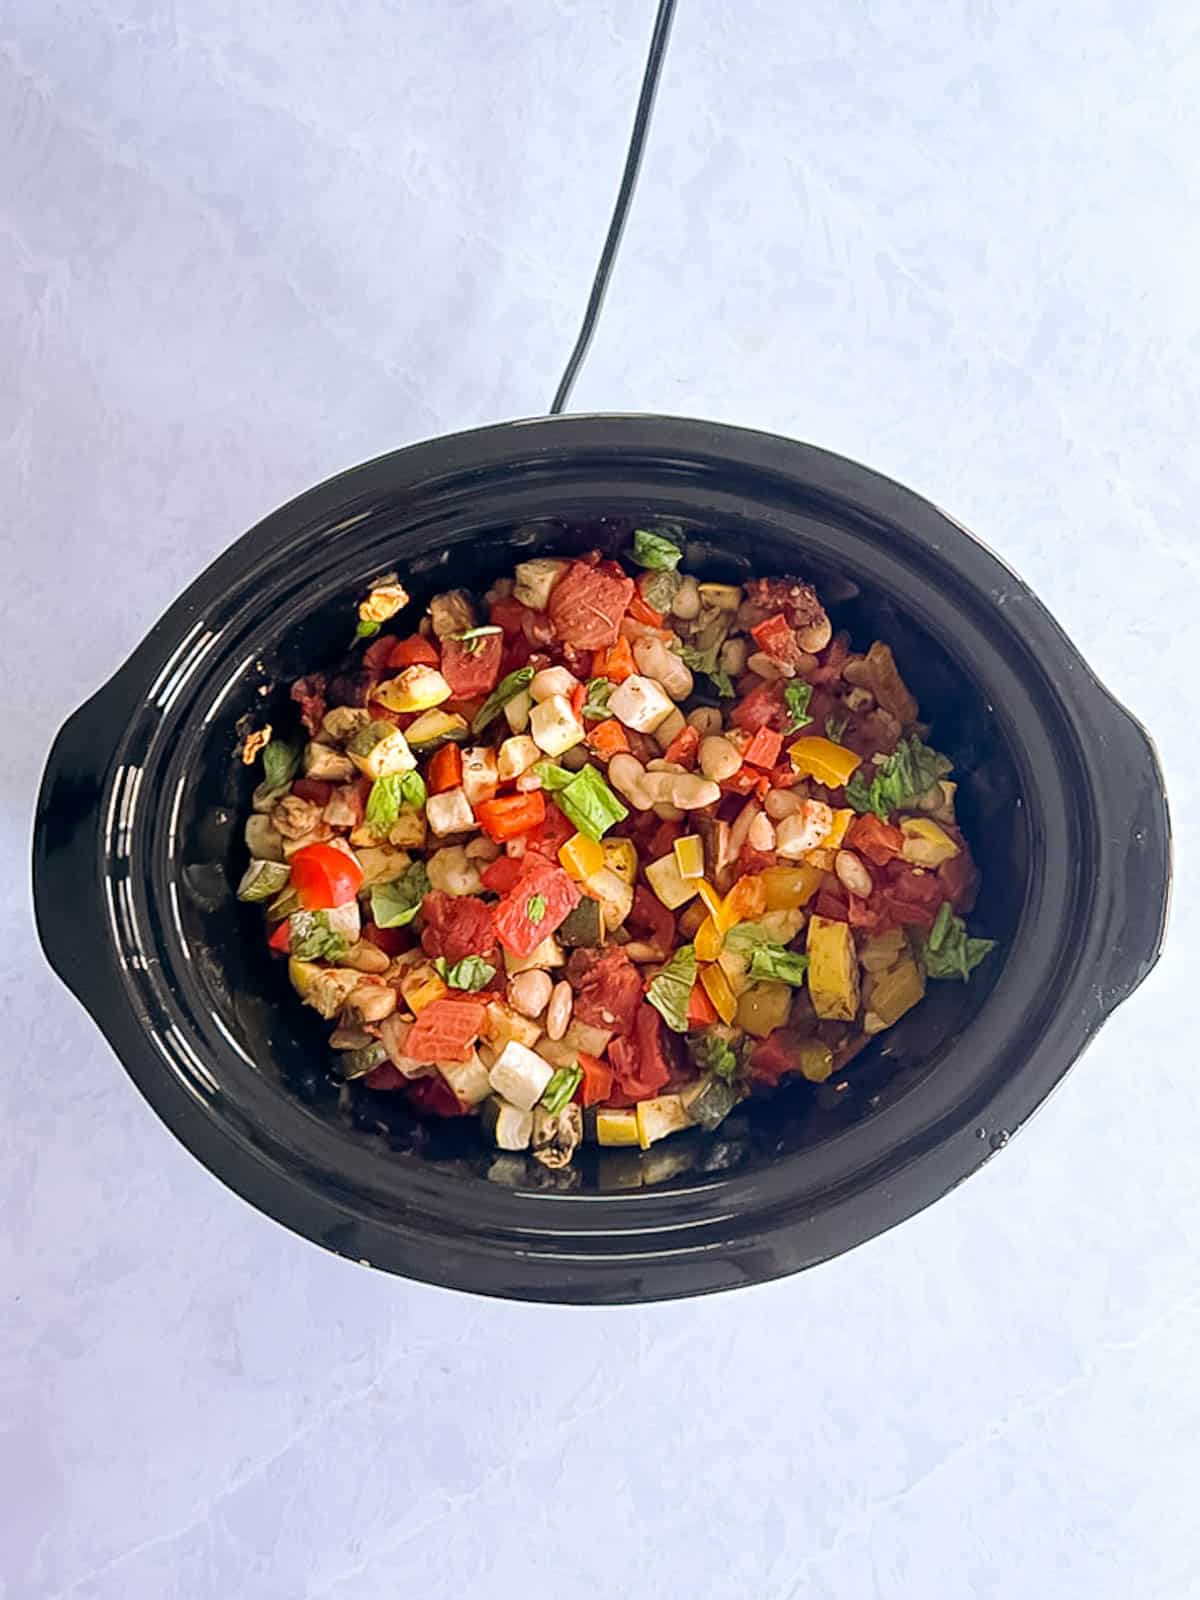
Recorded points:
(535, 906)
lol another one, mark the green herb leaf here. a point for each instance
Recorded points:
(715, 1052)
(797, 695)
(949, 951)
(908, 773)
(281, 762)
(507, 689)
(395, 904)
(471, 973)
(659, 590)
(660, 552)
(553, 776)
(474, 637)
(310, 938)
(705, 661)
(367, 630)
(390, 795)
(535, 908)
(723, 684)
(595, 707)
(835, 728)
(590, 804)
(777, 965)
(671, 991)
(561, 1087)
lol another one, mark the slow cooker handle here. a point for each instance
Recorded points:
(1138, 829)
(68, 872)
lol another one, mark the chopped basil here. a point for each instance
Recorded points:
(774, 964)
(474, 637)
(310, 938)
(595, 707)
(553, 776)
(716, 1053)
(660, 552)
(949, 952)
(835, 728)
(535, 908)
(797, 695)
(706, 661)
(590, 804)
(671, 991)
(908, 773)
(507, 689)
(471, 973)
(395, 904)
(367, 630)
(281, 762)
(659, 590)
(723, 684)
(561, 1087)
(390, 795)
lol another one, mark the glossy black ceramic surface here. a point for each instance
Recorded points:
(138, 848)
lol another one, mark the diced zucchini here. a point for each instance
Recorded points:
(263, 879)
(669, 884)
(926, 843)
(468, 1079)
(815, 1060)
(418, 688)
(508, 1126)
(616, 1127)
(546, 956)
(435, 727)
(583, 928)
(883, 950)
(520, 1076)
(658, 1117)
(689, 856)
(764, 1007)
(326, 989)
(380, 750)
(516, 712)
(614, 894)
(709, 1101)
(832, 969)
(890, 994)
(535, 579)
(620, 857)
(479, 774)
(501, 1023)
(263, 839)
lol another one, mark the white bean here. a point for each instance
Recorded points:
(529, 992)
(798, 834)
(706, 720)
(558, 1013)
(740, 830)
(483, 849)
(659, 764)
(669, 728)
(761, 833)
(782, 803)
(627, 776)
(667, 812)
(733, 657)
(655, 661)
(767, 667)
(690, 792)
(686, 603)
(718, 758)
(852, 875)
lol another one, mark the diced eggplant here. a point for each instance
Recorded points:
(326, 989)
(709, 1101)
(357, 1063)
(508, 1127)
(436, 727)
(263, 839)
(468, 1079)
(585, 1037)
(556, 1135)
(520, 1076)
(583, 928)
(535, 579)
(546, 956)
(263, 879)
(659, 1117)
(380, 750)
(452, 612)
(323, 761)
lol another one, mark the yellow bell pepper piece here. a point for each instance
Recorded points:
(841, 821)
(829, 763)
(580, 857)
(711, 899)
(689, 856)
(708, 941)
(616, 1127)
(421, 988)
(789, 888)
(745, 901)
(716, 987)
(925, 843)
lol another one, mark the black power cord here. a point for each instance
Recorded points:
(612, 242)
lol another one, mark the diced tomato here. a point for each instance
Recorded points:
(414, 652)
(833, 658)
(608, 739)
(385, 1076)
(455, 926)
(317, 790)
(615, 662)
(446, 1030)
(501, 875)
(750, 861)
(309, 695)
(959, 881)
(638, 1062)
(743, 781)
(324, 877)
(775, 638)
(763, 707)
(772, 1058)
(876, 840)
(392, 941)
(915, 887)
(907, 912)
(662, 840)
(507, 614)
(700, 1012)
(444, 771)
(641, 611)
(608, 990)
(684, 748)
(534, 908)
(784, 776)
(510, 815)
(763, 749)
(280, 939)
(651, 918)
(596, 1083)
(548, 837)
(433, 1096)
(472, 666)
(587, 603)
(866, 915)
(517, 653)
(830, 905)
(376, 656)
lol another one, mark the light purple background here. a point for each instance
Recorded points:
(247, 243)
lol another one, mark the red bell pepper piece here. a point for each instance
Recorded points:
(444, 771)
(596, 1083)
(701, 1012)
(684, 748)
(281, 938)
(763, 749)
(775, 638)
(509, 815)
(324, 877)
(641, 612)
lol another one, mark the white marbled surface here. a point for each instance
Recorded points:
(249, 242)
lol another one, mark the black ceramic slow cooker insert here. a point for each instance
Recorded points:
(138, 849)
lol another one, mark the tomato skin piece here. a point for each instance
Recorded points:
(549, 836)
(507, 614)
(684, 748)
(414, 652)
(457, 926)
(325, 877)
(384, 1077)
(608, 990)
(472, 673)
(377, 654)
(587, 604)
(763, 749)
(433, 1096)
(446, 1030)
(596, 1084)
(830, 906)
(521, 936)
(701, 1012)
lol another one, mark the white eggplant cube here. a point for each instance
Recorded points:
(516, 756)
(449, 813)
(554, 726)
(479, 774)
(640, 704)
(520, 1076)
